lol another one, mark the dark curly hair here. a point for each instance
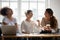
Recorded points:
(4, 11)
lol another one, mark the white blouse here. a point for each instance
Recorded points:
(29, 27)
(9, 22)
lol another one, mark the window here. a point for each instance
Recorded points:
(19, 8)
(37, 6)
(24, 7)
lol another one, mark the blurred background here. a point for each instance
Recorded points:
(38, 7)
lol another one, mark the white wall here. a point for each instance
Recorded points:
(55, 5)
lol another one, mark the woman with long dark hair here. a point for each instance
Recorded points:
(50, 20)
(49, 23)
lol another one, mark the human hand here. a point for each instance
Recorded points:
(47, 28)
(38, 22)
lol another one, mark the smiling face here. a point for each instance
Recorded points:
(9, 12)
(29, 15)
(47, 15)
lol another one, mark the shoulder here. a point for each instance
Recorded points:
(5, 18)
(22, 22)
(43, 18)
(14, 18)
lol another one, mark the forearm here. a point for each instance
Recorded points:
(4, 23)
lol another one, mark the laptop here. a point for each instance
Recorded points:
(8, 30)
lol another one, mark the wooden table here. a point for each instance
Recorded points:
(30, 35)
